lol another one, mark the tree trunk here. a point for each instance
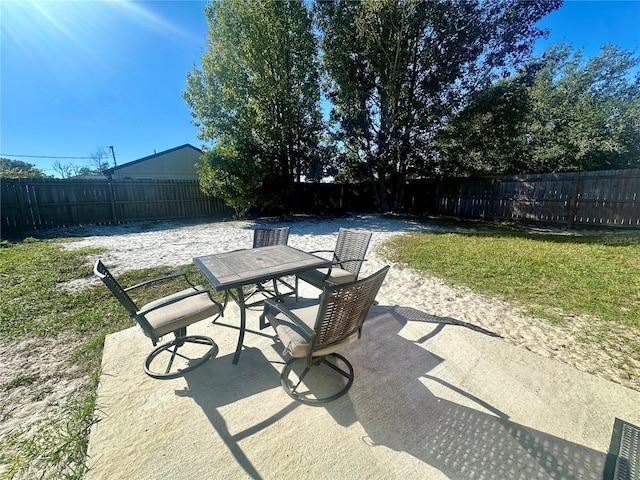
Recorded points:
(382, 195)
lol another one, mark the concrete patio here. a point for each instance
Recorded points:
(433, 398)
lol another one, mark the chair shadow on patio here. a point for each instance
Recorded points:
(221, 384)
(397, 399)
(393, 400)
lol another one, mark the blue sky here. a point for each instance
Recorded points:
(80, 75)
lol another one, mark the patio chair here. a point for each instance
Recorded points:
(170, 314)
(264, 237)
(314, 330)
(348, 257)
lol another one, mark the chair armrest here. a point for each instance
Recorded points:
(340, 262)
(272, 305)
(159, 279)
(320, 251)
(175, 299)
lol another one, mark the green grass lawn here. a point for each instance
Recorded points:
(33, 305)
(596, 275)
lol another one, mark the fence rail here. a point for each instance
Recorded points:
(583, 199)
(605, 198)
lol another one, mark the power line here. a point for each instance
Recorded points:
(45, 156)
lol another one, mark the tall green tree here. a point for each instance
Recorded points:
(585, 115)
(489, 136)
(19, 169)
(256, 98)
(398, 68)
(560, 113)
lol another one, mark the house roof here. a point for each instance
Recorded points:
(110, 171)
(89, 176)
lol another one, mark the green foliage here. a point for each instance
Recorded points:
(557, 114)
(585, 116)
(487, 135)
(257, 98)
(397, 70)
(224, 173)
(18, 169)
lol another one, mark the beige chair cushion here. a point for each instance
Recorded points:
(293, 338)
(181, 313)
(317, 277)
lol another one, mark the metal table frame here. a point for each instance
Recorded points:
(231, 271)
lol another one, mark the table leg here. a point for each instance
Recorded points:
(243, 322)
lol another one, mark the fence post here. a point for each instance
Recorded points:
(574, 201)
(492, 193)
(112, 200)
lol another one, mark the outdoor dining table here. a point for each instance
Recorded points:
(232, 271)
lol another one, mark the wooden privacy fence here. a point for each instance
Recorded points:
(319, 198)
(31, 204)
(604, 198)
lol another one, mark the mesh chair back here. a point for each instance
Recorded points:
(351, 245)
(103, 273)
(343, 309)
(121, 294)
(264, 237)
